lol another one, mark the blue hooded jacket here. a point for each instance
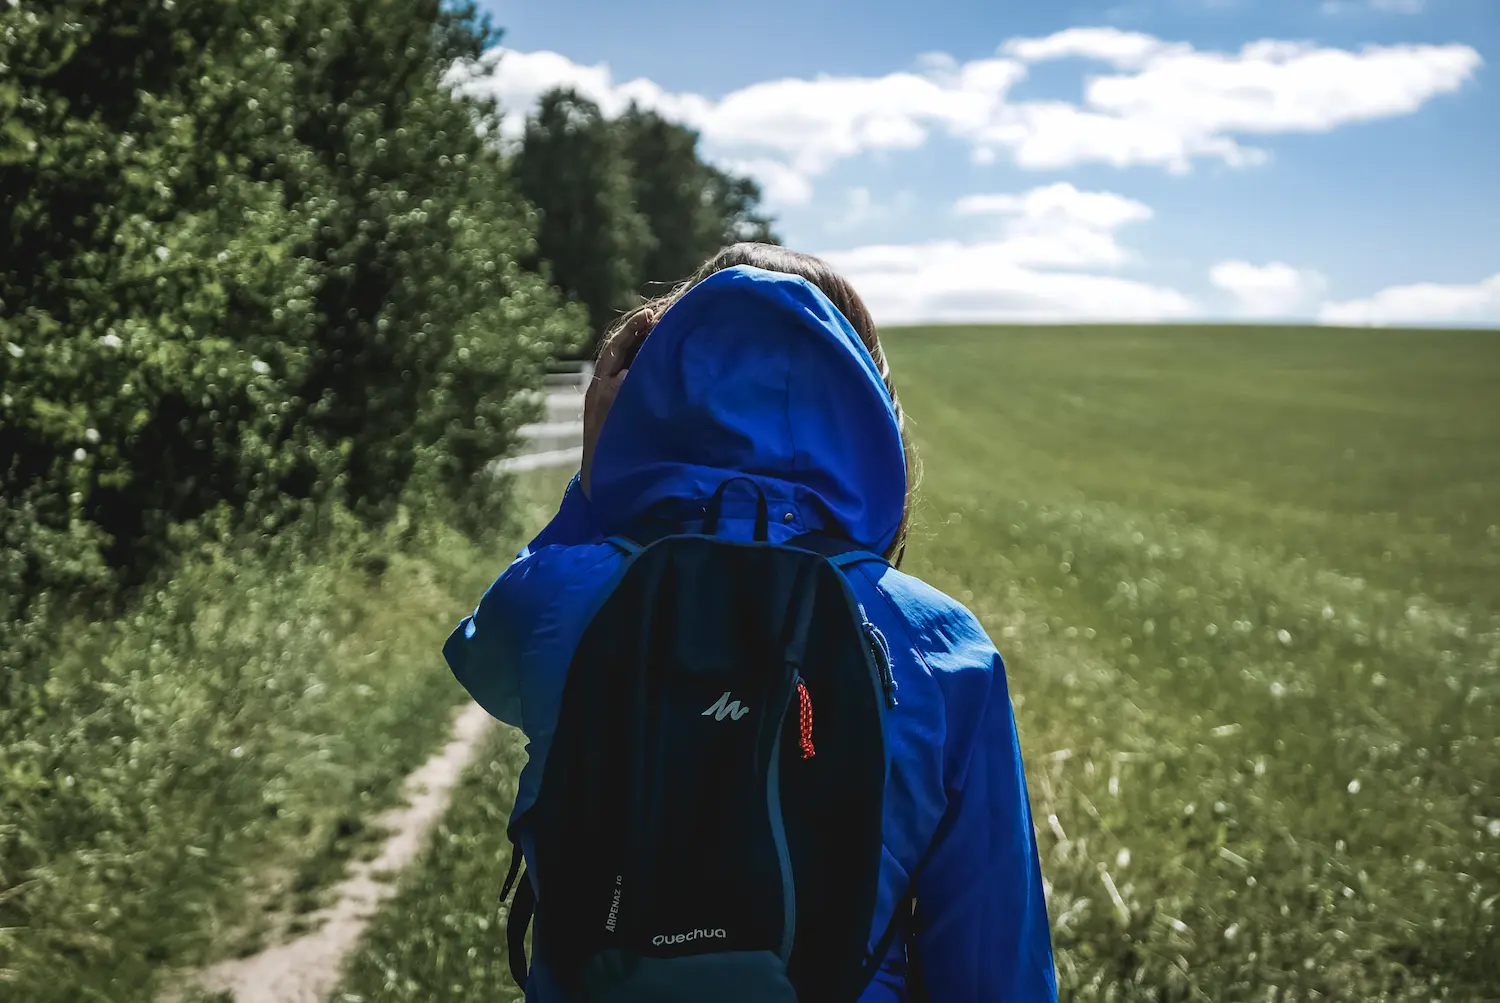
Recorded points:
(756, 372)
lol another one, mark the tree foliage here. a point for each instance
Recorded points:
(692, 208)
(252, 254)
(627, 206)
(257, 255)
(594, 241)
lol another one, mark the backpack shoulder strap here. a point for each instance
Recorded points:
(519, 915)
(521, 909)
(625, 545)
(842, 553)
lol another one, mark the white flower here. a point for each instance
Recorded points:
(1231, 931)
(1284, 636)
(14, 349)
(1122, 859)
(111, 340)
(92, 435)
(79, 454)
(260, 367)
(162, 254)
(1354, 787)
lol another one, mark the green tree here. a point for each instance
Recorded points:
(147, 284)
(252, 253)
(693, 209)
(427, 320)
(592, 238)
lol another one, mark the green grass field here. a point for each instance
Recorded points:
(1247, 582)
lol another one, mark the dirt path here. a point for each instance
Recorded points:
(308, 969)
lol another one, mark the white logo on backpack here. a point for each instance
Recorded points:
(725, 707)
(661, 940)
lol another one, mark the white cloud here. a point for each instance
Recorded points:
(1272, 86)
(975, 282)
(1057, 225)
(780, 183)
(1179, 104)
(1164, 104)
(1106, 45)
(519, 79)
(1423, 303)
(1049, 135)
(783, 131)
(1105, 210)
(1273, 290)
(816, 122)
(1030, 269)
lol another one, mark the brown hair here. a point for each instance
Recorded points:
(774, 258)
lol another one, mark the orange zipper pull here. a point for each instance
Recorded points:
(806, 716)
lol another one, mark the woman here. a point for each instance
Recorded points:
(767, 363)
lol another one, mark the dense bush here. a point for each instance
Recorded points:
(252, 254)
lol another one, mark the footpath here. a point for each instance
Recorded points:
(309, 967)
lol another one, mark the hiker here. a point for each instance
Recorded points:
(765, 765)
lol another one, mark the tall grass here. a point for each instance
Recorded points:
(1249, 777)
(211, 753)
(1248, 587)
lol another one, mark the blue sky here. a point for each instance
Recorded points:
(1092, 159)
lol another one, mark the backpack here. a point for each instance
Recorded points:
(708, 825)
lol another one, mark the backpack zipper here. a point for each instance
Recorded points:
(882, 653)
(805, 718)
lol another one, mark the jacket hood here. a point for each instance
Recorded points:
(753, 373)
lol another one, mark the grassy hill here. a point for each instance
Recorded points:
(1247, 582)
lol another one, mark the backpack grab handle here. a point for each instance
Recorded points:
(715, 509)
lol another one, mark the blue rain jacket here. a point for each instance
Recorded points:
(756, 372)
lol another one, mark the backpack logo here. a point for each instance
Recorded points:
(661, 940)
(725, 707)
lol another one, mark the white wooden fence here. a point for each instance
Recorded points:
(556, 440)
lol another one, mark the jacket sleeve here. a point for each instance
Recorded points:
(573, 524)
(982, 931)
(486, 648)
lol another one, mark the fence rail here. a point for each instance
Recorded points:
(556, 440)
